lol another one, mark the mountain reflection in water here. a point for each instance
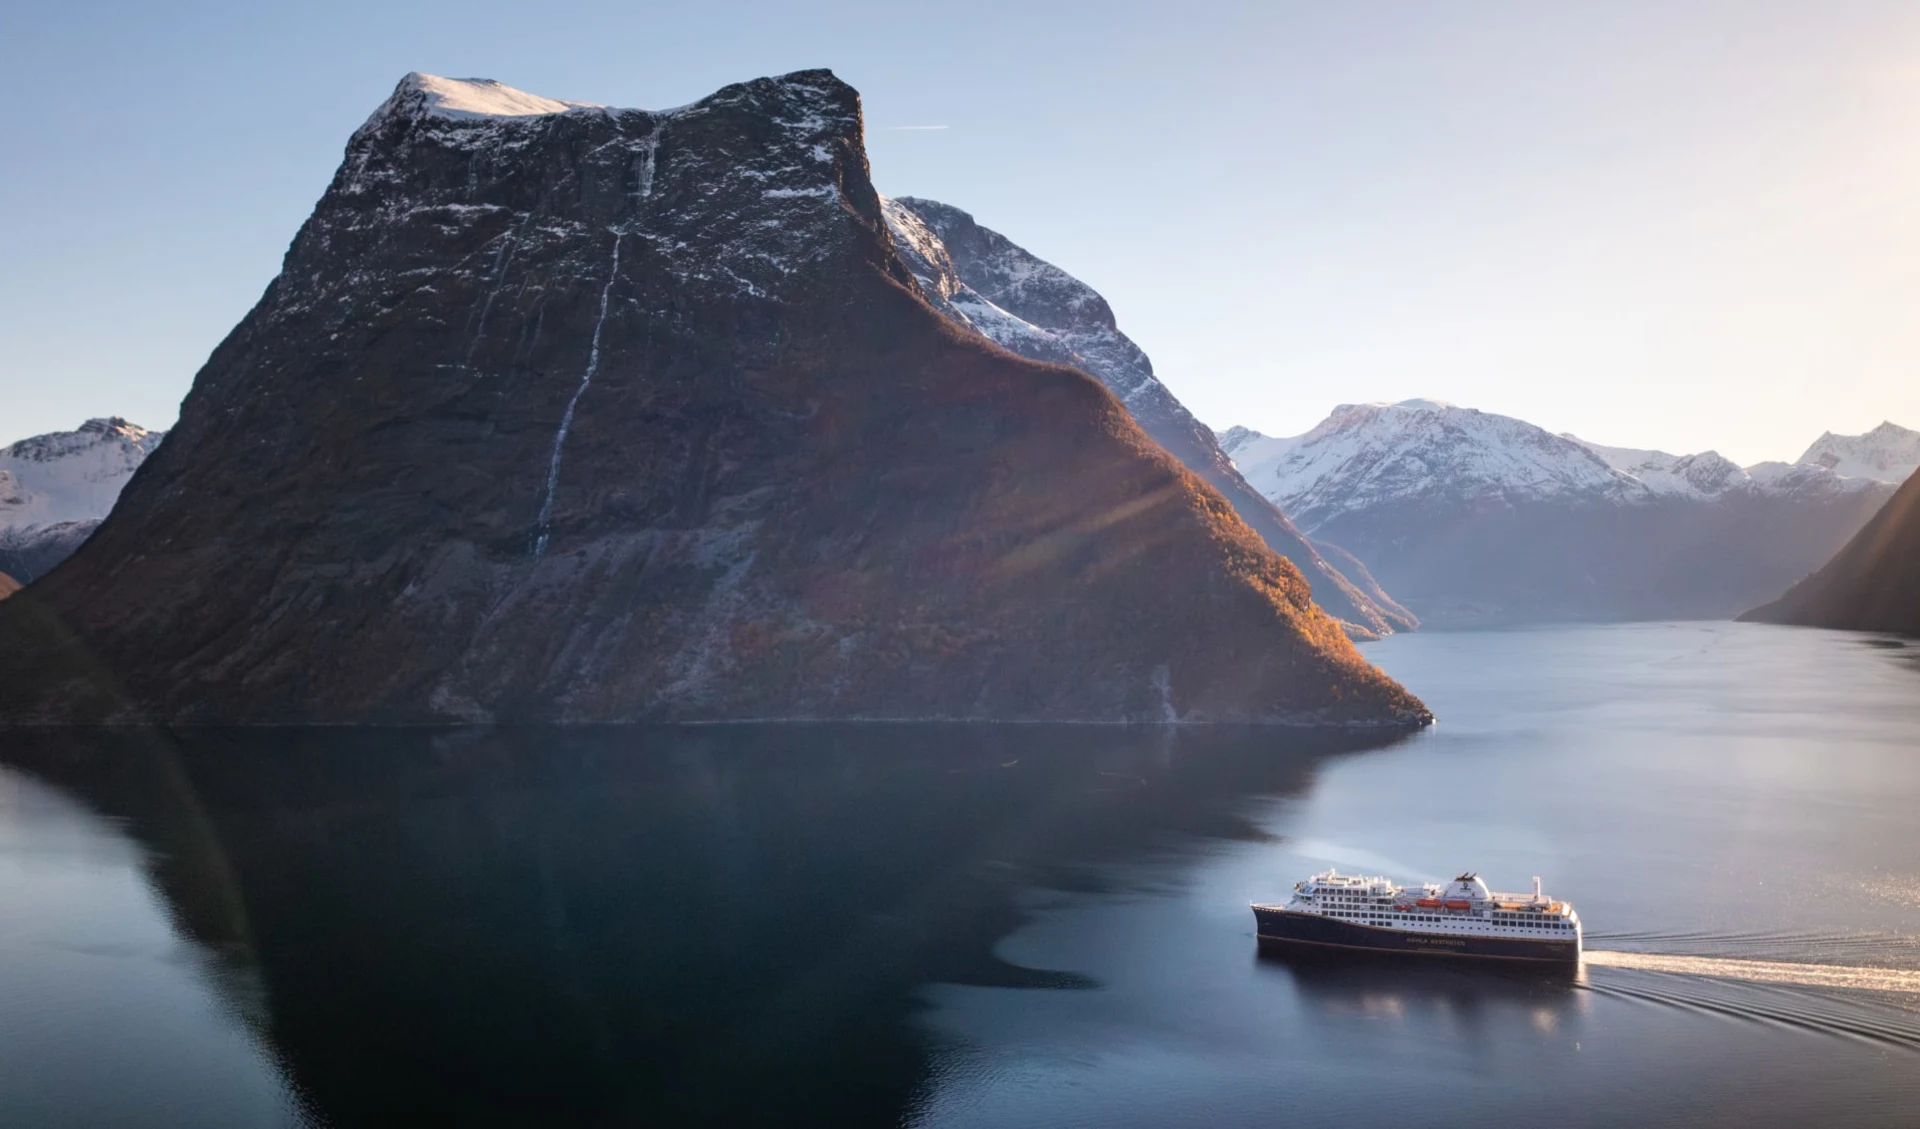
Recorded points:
(846, 926)
(725, 924)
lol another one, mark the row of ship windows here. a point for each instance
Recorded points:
(1516, 918)
(1437, 920)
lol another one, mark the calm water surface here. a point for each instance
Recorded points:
(981, 926)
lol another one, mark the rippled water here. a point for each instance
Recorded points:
(950, 926)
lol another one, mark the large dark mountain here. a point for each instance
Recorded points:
(985, 281)
(1872, 584)
(568, 413)
(1474, 518)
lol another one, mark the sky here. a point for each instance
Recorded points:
(1682, 226)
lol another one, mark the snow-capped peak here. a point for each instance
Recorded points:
(70, 475)
(482, 98)
(811, 95)
(1889, 453)
(1417, 404)
(1420, 450)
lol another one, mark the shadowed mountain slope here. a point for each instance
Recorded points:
(1872, 584)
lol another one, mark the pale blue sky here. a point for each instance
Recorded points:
(1679, 225)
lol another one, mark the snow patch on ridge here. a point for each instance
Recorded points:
(483, 98)
(1022, 302)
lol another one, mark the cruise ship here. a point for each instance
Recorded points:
(1460, 918)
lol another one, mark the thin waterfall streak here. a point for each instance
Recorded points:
(500, 260)
(651, 149)
(566, 418)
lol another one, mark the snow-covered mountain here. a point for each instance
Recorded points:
(1708, 474)
(1366, 454)
(1890, 453)
(55, 488)
(71, 475)
(987, 283)
(1472, 516)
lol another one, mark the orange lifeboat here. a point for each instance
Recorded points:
(1427, 903)
(1459, 903)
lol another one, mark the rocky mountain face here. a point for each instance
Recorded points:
(1871, 584)
(565, 413)
(55, 488)
(987, 283)
(1477, 518)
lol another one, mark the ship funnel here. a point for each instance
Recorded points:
(1536, 886)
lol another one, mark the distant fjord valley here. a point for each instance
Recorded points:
(671, 416)
(1475, 519)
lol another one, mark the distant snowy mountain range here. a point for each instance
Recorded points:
(1469, 516)
(55, 488)
(1364, 454)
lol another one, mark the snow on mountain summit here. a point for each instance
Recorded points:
(1364, 454)
(482, 98)
(70, 475)
(55, 488)
(1889, 453)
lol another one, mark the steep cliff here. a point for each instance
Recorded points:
(565, 413)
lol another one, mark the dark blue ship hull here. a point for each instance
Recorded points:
(1278, 927)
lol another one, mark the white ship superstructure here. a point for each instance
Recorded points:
(1462, 916)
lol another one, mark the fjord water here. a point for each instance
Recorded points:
(957, 926)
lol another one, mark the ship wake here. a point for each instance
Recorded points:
(1859, 977)
(1879, 1006)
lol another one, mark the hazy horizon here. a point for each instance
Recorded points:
(1654, 228)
